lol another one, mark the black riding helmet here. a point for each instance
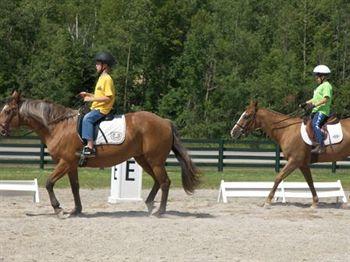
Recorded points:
(105, 58)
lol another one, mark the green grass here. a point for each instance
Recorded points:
(100, 178)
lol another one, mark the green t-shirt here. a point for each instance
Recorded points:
(323, 90)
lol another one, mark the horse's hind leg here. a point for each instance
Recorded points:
(60, 170)
(150, 199)
(74, 183)
(307, 175)
(164, 183)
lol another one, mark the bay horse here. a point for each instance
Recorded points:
(285, 131)
(149, 139)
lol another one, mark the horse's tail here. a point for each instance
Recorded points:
(189, 172)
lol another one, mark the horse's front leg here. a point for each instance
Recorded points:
(74, 183)
(307, 175)
(60, 170)
(286, 170)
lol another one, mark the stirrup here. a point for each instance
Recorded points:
(88, 152)
(82, 160)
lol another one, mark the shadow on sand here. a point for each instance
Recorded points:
(168, 214)
(321, 205)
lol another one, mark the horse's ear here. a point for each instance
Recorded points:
(16, 95)
(254, 103)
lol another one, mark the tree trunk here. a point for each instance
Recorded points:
(126, 78)
(76, 27)
(345, 54)
(304, 39)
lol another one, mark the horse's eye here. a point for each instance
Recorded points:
(246, 117)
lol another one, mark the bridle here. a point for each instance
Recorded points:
(250, 121)
(6, 125)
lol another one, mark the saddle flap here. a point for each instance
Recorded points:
(334, 133)
(112, 130)
(109, 130)
(331, 120)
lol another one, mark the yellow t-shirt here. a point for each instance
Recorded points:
(104, 87)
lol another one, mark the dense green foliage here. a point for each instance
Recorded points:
(197, 62)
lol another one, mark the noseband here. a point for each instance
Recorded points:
(249, 122)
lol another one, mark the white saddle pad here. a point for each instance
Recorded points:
(114, 131)
(335, 134)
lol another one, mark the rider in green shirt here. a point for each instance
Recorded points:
(320, 105)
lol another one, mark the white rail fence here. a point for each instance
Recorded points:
(21, 187)
(285, 190)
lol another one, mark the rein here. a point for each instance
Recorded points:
(61, 118)
(289, 116)
(58, 119)
(281, 127)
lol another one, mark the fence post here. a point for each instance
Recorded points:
(334, 167)
(277, 158)
(42, 155)
(221, 155)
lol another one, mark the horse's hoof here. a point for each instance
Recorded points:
(70, 215)
(158, 214)
(344, 206)
(61, 215)
(314, 206)
(267, 205)
(150, 207)
(73, 213)
(58, 210)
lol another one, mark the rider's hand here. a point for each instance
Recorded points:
(83, 94)
(303, 105)
(309, 106)
(88, 99)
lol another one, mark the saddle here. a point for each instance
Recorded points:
(108, 130)
(331, 130)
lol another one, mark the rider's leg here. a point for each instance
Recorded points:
(317, 123)
(90, 143)
(88, 126)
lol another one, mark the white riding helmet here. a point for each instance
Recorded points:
(322, 69)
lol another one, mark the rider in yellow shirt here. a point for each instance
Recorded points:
(102, 100)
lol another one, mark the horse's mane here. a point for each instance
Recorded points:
(273, 111)
(291, 116)
(287, 120)
(45, 112)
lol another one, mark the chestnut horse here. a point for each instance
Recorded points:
(149, 139)
(285, 131)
